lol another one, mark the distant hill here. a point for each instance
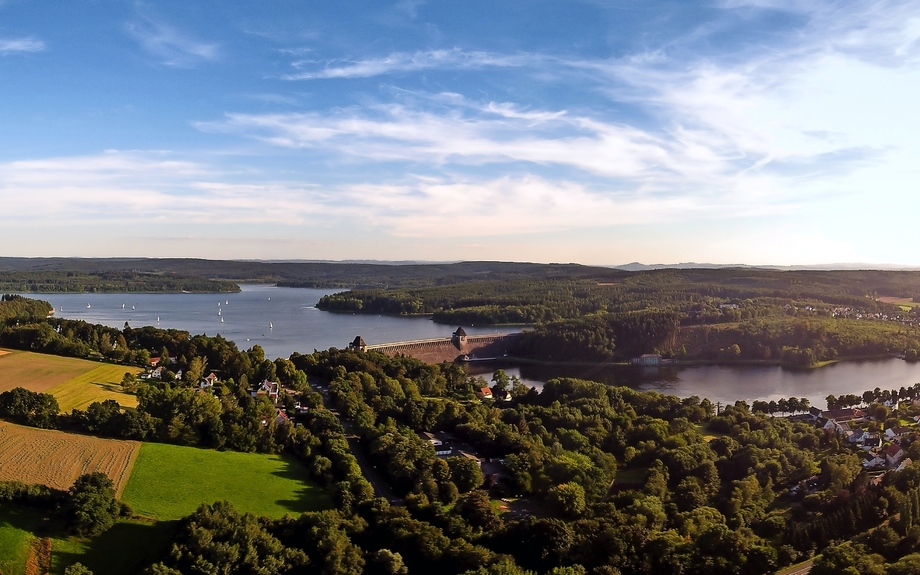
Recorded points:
(639, 267)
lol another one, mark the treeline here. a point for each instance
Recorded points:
(381, 275)
(601, 337)
(797, 341)
(108, 282)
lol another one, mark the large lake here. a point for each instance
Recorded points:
(281, 320)
(296, 325)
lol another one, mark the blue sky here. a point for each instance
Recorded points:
(759, 131)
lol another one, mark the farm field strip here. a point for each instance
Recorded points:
(99, 384)
(56, 459)
(39, 372)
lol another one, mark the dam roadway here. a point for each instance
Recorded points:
(459, 347)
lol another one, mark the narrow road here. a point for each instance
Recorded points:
(381, 487)
(802, 569)
(370, 472)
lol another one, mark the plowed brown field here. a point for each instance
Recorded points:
(56, 459)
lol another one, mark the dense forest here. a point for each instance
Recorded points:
(315, 274)
(111, 281)
(794, 318)
(586, 478)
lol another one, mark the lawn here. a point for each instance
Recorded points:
(38, 371)
(101, 383)
(170, 482)
(16, 527)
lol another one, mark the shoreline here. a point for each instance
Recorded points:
(704, 362)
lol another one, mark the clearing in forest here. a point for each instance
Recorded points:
(56, 459)
(171, 481)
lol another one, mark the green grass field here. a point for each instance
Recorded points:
(170, 482)
(122, 550)
(99, 384)
(16, 527)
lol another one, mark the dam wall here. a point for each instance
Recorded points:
(451, 349)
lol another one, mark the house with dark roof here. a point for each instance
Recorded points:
(357, 344)
(873, 461)
(435, 441)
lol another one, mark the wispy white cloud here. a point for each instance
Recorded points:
(144, 188)
(14, 45)
(169, 45)
(410, 62)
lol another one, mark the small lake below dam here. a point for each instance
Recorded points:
(726, 384)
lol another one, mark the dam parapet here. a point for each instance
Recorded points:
(456, 348)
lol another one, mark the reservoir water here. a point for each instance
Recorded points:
(284, 320)
(281, 320)
(726, 384)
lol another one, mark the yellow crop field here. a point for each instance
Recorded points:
(99, 384)
(38, 371)
(74, 382)
(56, 459)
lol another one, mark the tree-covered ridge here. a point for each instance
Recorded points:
(318, 274)
(691, 292)
(109, 282)
(15, 308)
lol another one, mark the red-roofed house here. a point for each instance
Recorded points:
(893, 454)
(485, 393)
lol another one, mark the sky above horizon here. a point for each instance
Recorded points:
(597, 132)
